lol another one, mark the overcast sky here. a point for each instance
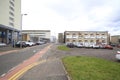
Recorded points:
(73, 15)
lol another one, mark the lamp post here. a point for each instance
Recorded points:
(21, 27)
(22, 20)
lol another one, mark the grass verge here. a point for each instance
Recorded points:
(89, 68)
(63, 48)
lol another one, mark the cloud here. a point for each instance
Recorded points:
(61, 15)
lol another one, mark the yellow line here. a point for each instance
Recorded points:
(22, 71)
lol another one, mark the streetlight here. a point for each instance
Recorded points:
(22, 20)
(21, 27)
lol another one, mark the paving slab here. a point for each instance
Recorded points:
(52, 69)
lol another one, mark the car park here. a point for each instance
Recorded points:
(118, 55)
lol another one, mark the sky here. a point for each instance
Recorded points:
(71, 15)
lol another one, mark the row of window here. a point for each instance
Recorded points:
(84, 34)
(11, 12)
(87, 37)
(103, 41)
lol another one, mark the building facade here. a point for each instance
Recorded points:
(10, 20)
(36, 35)
(115, 39)
(86, 37)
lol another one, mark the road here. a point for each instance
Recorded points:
(9, 61)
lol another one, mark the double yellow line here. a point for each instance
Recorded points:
(22, 71)
(25, 69)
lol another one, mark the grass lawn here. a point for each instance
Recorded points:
(90, 68)
(63, 48)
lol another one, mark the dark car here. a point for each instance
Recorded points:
(70, 45)
(21, 44)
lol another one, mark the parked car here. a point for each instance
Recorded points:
(108, 47)
(90, 46)
(21, 44)
(118, 45)
(70, 45)
(96, 46)
(102, 46)
(2, 44)
(40, 43)
(30, 43)
(79, 45)
(118, 55)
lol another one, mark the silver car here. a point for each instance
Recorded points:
(118, 55)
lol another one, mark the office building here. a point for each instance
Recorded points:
(36, 35)
(86, 37)
(10, 20)
(115, 39)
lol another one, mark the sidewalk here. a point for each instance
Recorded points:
(49, 70)
(8, 49)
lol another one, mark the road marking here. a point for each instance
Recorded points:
(22, 71)
(28, 64)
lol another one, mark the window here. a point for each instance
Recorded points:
(80, 40)
(68, 40)
(97, 34)
(11, 3)
(103, 41)
(91, 34)
(74, 34)
(11, 8)
(73, 40)
(10, 18)
(91, 40)
(79, 34)
(11, 24)
(86, 40)
(11, 13)
(103, 34)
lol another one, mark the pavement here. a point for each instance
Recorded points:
(50, 67)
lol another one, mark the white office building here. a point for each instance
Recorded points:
(10, 20)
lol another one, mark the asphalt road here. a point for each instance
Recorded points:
(11, 60)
